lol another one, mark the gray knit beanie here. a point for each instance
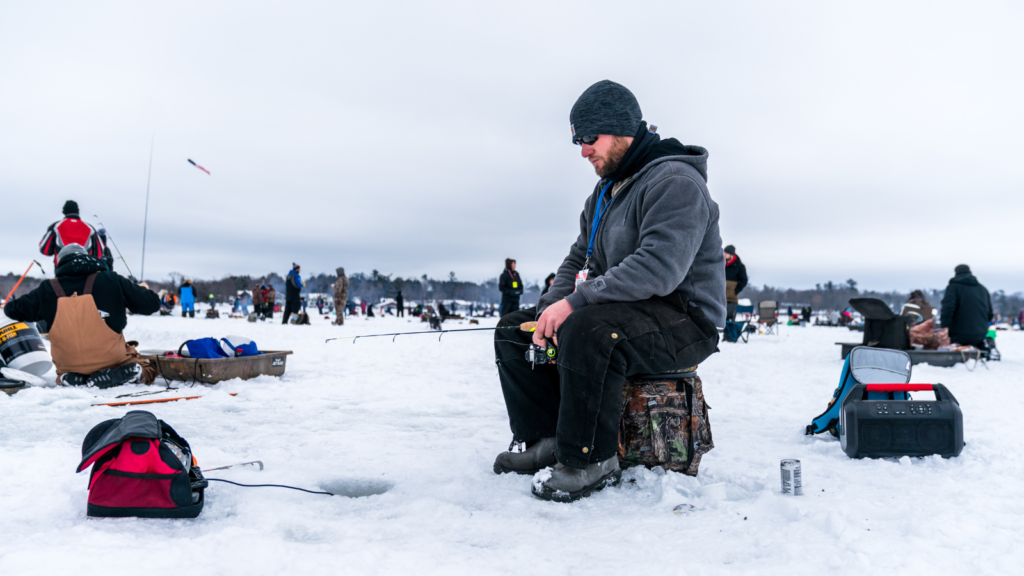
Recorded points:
(605, 108)
(69, 250)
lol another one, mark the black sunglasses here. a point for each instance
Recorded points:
(588, 140)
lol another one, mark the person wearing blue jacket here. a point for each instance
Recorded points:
(292, 294)
(187, 295)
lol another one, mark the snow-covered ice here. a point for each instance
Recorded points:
(406, 432)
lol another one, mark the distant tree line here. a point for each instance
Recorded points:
(836, 296)
(374, 286)
(370, 287)
(830, 296)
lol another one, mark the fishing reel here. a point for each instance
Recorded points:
(540, 355)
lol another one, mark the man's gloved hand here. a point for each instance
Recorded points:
(549, 322)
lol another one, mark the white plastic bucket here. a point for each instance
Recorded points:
(22, 348)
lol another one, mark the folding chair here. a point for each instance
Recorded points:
(766, 311)
(743, 326)
(736, 331)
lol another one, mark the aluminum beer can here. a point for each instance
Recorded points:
(791, 482)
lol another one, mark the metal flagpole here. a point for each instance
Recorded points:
(145, 221)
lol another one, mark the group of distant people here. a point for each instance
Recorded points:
(966, 311)
(264, 299)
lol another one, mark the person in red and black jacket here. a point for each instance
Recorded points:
(735, 281)
(71, 230)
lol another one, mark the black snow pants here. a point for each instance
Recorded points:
(290, 308)
(509, 306)
(730, 310)
(579, 400)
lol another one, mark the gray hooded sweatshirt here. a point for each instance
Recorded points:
(660, 235)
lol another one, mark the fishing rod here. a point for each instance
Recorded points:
(130, 275)
(253, 463)
(535, 355)
(153, 401)
(18, 283)
(525, 327)
(260, 463)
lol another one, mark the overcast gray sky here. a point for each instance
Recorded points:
(875, 140)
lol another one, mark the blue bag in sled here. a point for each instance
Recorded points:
(211, 348)
(201, 348)
(238, 346)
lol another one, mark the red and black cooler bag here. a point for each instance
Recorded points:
(141, 467)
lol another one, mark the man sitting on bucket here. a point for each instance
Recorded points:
(640, 292)
(84, 306)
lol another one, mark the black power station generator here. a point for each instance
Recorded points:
(896, 428)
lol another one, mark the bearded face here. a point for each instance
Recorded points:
(610, 160)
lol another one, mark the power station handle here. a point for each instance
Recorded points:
(899, 387)
(943, 394)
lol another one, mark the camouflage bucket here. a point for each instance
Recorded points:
(664, 423)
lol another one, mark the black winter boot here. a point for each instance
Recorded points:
(530, 461)
(110, 377)
(72, 379)
(566, 484)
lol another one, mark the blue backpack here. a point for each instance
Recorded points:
(203, 348)
(864, 366)
(238, 346)
(211, 348)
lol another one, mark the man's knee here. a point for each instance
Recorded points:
(517, 318)
(592, 322)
